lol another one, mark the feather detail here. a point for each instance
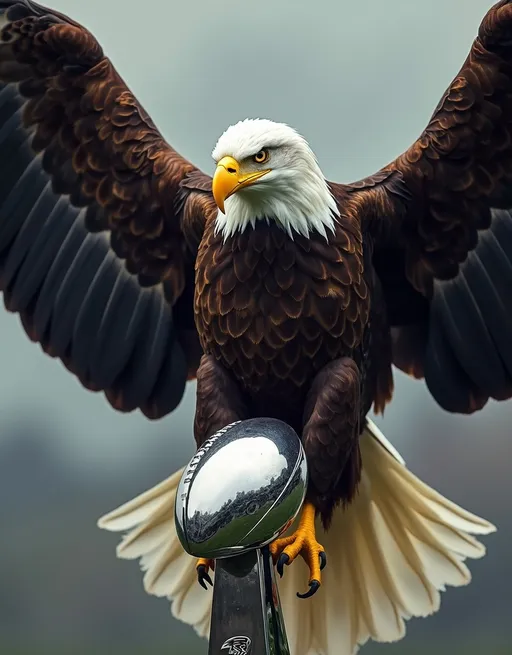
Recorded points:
(168, 570)
(393, 550)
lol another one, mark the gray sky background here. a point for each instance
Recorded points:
(358, 79)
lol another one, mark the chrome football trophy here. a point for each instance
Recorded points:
(240, 492)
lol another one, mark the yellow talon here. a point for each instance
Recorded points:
(303, 542)
(203, 567)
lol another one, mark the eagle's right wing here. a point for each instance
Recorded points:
(100, 218)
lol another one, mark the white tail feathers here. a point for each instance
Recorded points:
(390, 554)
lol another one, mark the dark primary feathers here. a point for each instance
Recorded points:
(97, 237)
(100, 221)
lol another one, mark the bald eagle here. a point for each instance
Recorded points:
(281, 293)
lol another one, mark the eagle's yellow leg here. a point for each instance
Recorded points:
(303, 542)
(203, 567)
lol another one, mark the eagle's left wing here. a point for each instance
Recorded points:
(440, 221)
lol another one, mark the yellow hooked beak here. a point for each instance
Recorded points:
(228, 180)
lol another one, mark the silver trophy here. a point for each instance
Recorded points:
(242, 490)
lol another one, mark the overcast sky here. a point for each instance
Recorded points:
(358, 79)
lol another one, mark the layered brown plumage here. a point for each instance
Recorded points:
(275, 311)
(108, 251)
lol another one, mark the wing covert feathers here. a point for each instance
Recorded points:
(392, 551)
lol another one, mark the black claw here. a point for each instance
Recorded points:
(323, 561)
(203, 576)
(283, 559)
(314, 586)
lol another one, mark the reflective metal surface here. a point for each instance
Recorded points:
(242, 489)
(246, 614)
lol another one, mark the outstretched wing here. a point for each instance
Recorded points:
(440, 220)
(100, 218)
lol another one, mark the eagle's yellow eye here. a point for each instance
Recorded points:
(261, 156)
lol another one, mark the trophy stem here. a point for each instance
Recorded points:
(247, 617)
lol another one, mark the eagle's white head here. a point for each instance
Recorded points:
(267, 171)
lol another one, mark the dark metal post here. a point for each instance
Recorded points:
(246, 616)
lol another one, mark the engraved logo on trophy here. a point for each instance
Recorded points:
(237, 646)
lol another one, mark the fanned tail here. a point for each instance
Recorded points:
(390, 553)
(148, 521)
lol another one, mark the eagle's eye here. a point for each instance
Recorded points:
(261, 157)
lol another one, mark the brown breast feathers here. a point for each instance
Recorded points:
(275, 310)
